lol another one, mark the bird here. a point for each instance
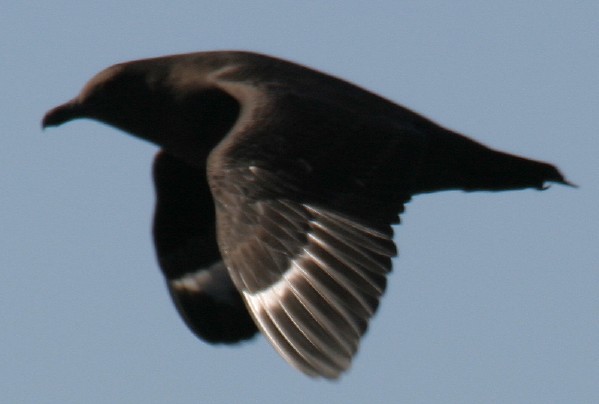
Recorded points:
(277, 186)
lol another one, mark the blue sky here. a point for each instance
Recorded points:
(494, 297)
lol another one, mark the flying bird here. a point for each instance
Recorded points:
(277, 186)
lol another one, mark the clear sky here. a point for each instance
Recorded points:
(494, 297)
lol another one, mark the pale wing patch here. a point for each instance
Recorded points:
(316, 312)
(211, 306)
(214, 281)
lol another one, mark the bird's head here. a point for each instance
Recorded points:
(167, 101)
(119, 95)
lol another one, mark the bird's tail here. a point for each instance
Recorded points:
(452, 161)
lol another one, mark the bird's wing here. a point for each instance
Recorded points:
(308, 252)
(185, 240)
(311, 277)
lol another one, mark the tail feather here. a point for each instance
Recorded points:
(453, 161)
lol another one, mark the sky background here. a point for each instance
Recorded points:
(494, 297)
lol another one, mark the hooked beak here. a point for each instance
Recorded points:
(63, 113)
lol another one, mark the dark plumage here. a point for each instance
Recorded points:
(276, 189)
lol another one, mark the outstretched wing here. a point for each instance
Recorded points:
(306, 192)
(185, 240)
(312, 277)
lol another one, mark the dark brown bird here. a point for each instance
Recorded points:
(277, 186)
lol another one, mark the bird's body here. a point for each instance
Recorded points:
(277, 186)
